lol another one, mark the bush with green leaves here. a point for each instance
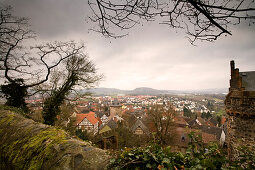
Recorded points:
(197, 156)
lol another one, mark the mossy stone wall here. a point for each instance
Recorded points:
(25, 144)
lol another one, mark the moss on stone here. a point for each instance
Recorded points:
(26, 144)
(7, 119)
(36, 149)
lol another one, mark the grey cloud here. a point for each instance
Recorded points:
(53, 17)
(152, 55)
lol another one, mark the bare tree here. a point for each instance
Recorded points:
(13, 32)
(22, 67)
(202, 19)
(77, 70)
(162, 118)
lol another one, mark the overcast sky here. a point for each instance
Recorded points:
(151, 56)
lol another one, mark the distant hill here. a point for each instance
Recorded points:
(105, 91)
(146, 91)
(150, 91)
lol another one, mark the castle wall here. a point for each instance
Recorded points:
(240, 109)
(241, 132)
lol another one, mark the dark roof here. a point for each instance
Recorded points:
(201, 120)
(85, 111)
(101, 114)
(213, 121)
(187, 119)
(112, 124)
(211, 130)
(140, 124)
(248, 80)
(192, 122)
(115, 102)
(131, 120)
(138, 113)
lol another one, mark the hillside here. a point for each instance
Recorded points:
(150, 91)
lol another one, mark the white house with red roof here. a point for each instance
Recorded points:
(88, 122)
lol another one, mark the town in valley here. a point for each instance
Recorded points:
(117, 121)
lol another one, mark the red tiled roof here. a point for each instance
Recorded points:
(89, 116)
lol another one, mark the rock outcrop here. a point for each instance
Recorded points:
(25, 144)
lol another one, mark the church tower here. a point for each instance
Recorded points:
(115, 109)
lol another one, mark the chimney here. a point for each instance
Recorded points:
(232, 66)
(236, 80)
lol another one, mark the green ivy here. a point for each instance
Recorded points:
(197, 156)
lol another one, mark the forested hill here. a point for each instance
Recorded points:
(151, 91)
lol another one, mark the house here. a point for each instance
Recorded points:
(180, 139)
(139, 128)
(180, 120)
(104, 117)
(109, 126)
(200, 121)
(88, 122)
(211, 133)
(212, 122)
(184, 126)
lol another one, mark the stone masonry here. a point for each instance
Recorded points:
(25, 144)
(240, 109)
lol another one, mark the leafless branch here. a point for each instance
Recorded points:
(202, 19)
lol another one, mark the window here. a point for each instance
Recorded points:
(183, 138)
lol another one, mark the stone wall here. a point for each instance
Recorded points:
(240, 109)
(241, 132)
(26, 144)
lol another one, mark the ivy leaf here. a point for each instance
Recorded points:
(166, 160)
(148, 165)
(112, 160)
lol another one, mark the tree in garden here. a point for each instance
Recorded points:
(76, 71)
(65, 120)
(203, 20)
(162, 118)
(187, 112)
(210, 105)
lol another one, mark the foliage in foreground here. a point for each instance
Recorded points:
(156, 157)
(197, 156)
